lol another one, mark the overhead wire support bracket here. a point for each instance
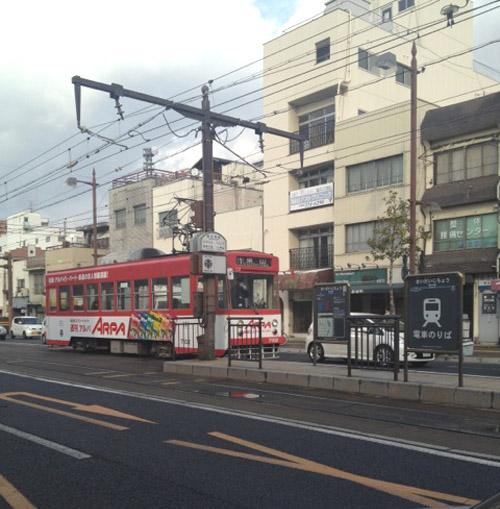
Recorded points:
(216, 119)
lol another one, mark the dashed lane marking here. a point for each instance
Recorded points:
(170, 383)
(45, 443)
(120, 375)
(100, 372)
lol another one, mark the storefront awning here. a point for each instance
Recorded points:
(303, 280)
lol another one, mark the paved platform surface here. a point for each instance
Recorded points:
(425, 386)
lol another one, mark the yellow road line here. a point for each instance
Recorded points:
(12, 496)
(433, 499)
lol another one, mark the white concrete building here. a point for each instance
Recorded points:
(347, 69)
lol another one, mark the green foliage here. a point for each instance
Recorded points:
(391, 236)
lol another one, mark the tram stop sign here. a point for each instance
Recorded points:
(331, 311)
(434, 312)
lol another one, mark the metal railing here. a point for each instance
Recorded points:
(306, 258)
(374, 343)
(319, 135)
(244, 339)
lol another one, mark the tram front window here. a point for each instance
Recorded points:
(252, 292)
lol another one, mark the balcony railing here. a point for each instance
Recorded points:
(319, 135)
(307, 258)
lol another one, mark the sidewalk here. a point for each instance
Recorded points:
(478, 392)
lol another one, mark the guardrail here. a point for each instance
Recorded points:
(244, 339)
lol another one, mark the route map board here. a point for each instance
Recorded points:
(434, 312)
(331, 310)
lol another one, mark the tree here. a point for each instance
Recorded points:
(391, 236)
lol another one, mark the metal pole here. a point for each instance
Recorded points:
(260, 343)
(413, 159)
(94, 211)
(207, 352)
(10, 288)
(396, 348)
(229, 351)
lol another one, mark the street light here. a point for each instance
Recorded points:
(72, 182)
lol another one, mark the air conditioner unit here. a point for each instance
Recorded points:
(427, 228)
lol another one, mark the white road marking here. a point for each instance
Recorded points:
(100, 372)
(120, 375)
(433, 450)
(170, 383)
(46, 443)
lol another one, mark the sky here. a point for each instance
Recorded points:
(167, 48)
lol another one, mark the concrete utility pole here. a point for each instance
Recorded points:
(413, 160)
(209, 121)
(10, 285)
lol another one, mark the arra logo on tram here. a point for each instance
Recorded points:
(148, 306)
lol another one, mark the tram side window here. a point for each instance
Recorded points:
(141, 294)
(124, 295)
(221, 293)
(53, 299)
(92, 298)
(160, 293)
(78, 298)
(180, 293)
(63, 298)
(107, 295)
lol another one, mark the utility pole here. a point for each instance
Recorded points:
(94, 217)
(413, 159)
(209, 121)
(10, 290)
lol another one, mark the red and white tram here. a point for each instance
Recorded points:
(139, 306)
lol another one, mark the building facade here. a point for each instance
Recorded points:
(347, 70)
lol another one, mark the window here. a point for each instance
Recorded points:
(315, 176)
(47, 238)
(53, 299)
(63, 298)
(141, 294)
(403, 74)
(160, 293)
(318, 126)
(20, 284)
(38, 284)
(92, 298)
(124, 295)
(221, 292)
(372, 174)
(357, 236)
(466, 162)
(78, 298)
(465, 233)
(386, 14)
(167, 220)
(323, 50)
(180, 293)
(405, 4)
(252, 292)
(368, 61)
(120, 219)
(315, 249)
(107, 296)
(140, 214)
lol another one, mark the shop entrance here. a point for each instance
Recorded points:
(302, 315)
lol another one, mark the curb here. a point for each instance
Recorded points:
(424, 393)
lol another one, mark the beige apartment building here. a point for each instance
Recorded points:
(343, 81)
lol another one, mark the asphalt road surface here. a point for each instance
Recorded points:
(97, 430)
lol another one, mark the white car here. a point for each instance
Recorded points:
(3, 332)
(26, 327)
(374, 344)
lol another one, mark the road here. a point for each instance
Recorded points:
(97, 430)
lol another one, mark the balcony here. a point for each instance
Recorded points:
(317, 136)
(310, 258)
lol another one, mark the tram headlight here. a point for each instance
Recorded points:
(274, 323)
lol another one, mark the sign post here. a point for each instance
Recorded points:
(434, 304)
(330, 314)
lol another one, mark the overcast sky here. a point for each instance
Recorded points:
(163, 48)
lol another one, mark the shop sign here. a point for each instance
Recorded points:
(309, 197)
(362, 277)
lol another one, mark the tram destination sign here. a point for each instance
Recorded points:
(434, 312)
(331, 311)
